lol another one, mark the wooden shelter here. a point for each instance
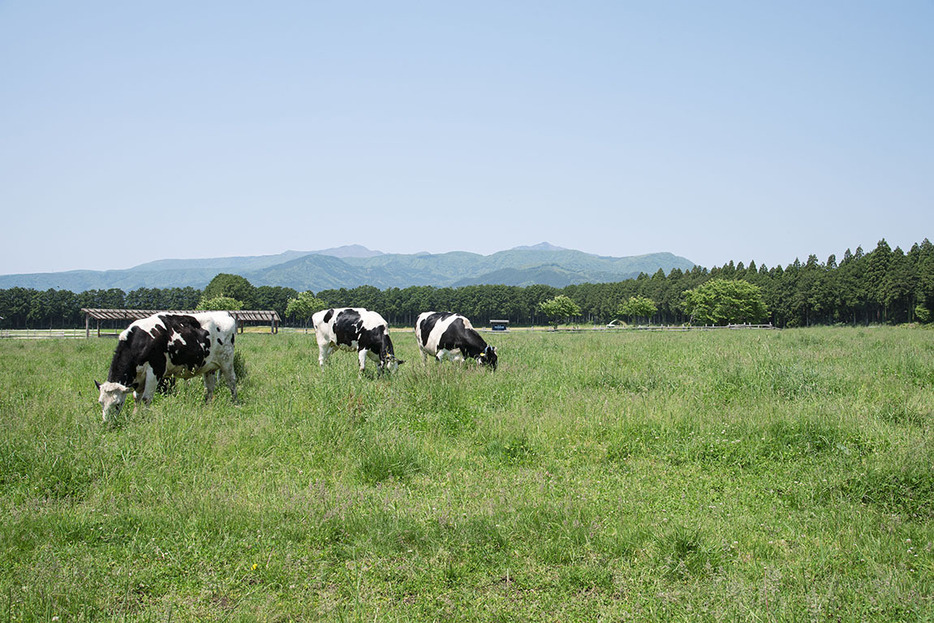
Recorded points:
(241, 316)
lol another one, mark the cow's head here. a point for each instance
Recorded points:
(389, 363)
(112, 397)
(387, 356)
(488, 357)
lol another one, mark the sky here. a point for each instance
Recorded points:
(717, 131)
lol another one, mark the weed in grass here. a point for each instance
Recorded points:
(444, 399)
(394, 532)
(899, 485)
(511, 449)
(386, 457)
(567, 533)
(806, 437)
(686, 553)
(748, 445)
(479, 540)
(619, 378)
(240, 366)
(587, 578)
(630, 439)
(901, 411)
(795, 381)
(59, 471)
(729, 383)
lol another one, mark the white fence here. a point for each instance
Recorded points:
(679, 327)
(41, 334)
(710, 327)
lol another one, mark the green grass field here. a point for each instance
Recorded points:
(731, 475)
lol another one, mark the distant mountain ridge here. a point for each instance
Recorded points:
(355, 265)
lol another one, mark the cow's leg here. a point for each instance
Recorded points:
(149, 388)
(231, 377)
(362, 355)
(210, 380)
(324, 351)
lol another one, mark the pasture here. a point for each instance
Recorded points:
(729, 475)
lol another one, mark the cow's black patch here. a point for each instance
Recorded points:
(379, 342)
(127, 356)
(142, 347)
(166, 386)
(429, 323)
(348, 327)
(328, 315)
(192, 349)
(458, 336)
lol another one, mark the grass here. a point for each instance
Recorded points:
(594, 476)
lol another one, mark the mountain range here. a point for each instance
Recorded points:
(355, 265)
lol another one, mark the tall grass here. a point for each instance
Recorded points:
(723, 475)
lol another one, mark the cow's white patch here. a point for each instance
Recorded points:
(453, 355)
(112, 397)
(149, 324)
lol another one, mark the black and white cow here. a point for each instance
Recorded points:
(168, 345)
(446, 335)
(355, 329)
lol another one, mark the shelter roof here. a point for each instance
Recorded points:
(243, 315)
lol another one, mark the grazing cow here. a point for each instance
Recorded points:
(169, 345)
(355, 329)
(443, 334)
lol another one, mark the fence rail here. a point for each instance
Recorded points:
(41, 334)
(678, 327)
(706, 327)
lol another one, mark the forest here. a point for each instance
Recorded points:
(883, 286)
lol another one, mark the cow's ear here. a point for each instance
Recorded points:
(98, 385)
(400, 361)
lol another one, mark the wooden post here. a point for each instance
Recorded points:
(87, 326)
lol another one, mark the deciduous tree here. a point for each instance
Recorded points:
(303, 307)
(220, 303)
(231, 286)
(559, 308)
(725, 301)
(638, 307)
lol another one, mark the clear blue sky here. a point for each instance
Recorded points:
(718, 131)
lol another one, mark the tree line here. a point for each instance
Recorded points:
(55, 309)
(881, 286)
